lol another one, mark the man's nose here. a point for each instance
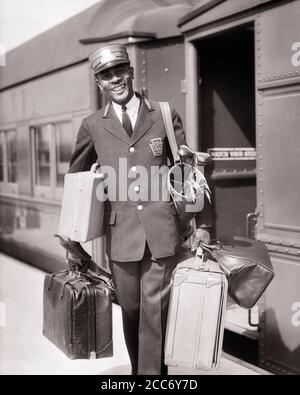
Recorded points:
(115, 77)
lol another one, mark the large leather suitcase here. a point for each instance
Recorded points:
(77, 315)
(196, 315)
(82, 210)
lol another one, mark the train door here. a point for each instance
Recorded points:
(227, 119)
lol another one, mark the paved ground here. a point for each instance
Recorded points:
(24, 350)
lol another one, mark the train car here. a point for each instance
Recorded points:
(242, 106)
(47, 88)
(232, 70)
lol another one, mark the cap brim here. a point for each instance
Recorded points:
(110, 64)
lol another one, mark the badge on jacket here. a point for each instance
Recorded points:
(157, 146)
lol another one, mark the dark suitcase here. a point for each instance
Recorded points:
(77, 315)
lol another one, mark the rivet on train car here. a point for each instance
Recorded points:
(144, 62)
(261, 191)
(298, 252)
(260, 145)
(261, 180)
(143, 53)
(144, 80)
(166, 70)
(260, 157)
(144, 71)
(292, 244)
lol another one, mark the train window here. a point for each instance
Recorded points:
(8, 160)
(52, 149)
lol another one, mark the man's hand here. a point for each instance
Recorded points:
(201, 234)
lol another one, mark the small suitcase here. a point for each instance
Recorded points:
(82, 210)
(77, 315)
(196, 315)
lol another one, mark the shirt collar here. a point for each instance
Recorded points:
(132, 105)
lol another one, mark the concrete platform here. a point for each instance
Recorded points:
(24, 350)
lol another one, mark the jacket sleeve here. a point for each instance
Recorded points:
(84, 154)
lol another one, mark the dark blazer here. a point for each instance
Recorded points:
(130, 223)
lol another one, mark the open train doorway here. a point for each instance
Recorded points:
(228, 132)
(227, 119)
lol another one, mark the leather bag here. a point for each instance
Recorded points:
(77, 314)
(82, 210)
(247, 266)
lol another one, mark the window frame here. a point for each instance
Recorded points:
(53, 191)
(5, 185)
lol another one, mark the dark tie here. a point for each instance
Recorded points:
(126, 122)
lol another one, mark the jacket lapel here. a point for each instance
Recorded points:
(144, 121)
(143, 124)
(113, 125)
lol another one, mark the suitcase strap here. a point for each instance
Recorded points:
(91, 299)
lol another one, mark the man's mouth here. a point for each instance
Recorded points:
(119, 88)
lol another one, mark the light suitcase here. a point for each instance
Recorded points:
(196, 315)
(82, 211)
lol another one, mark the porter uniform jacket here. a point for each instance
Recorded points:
(139, 213)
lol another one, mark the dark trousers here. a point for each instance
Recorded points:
(143, 290)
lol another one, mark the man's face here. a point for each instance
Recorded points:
(116, 82)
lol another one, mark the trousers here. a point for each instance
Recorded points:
(143, 291)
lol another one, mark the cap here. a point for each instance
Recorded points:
(108, 56)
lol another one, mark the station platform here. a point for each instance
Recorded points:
(25, 351)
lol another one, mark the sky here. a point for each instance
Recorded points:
(20, 20)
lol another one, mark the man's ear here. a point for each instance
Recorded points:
(131, 72)
(98, 83)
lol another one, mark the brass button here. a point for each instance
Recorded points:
(131, 149)
(140, 207)
(137, 188)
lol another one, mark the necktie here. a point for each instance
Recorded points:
(126, 121)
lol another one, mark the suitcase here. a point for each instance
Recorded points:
(82, 210)
(196, 315)
(77, 315)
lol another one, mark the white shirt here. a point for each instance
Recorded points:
(132, 110)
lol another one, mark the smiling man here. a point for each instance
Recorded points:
(142, 236)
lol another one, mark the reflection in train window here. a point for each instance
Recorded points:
(8, 158)
(1, 157)
(52, 149)
(42, 146)
(63, 151)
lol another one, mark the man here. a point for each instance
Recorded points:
(142, 233)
